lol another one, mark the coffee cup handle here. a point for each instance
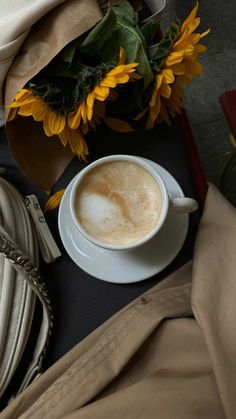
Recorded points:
(182, 205)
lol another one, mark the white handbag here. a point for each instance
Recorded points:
(20, 283)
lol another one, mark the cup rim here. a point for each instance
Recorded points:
(121, 157)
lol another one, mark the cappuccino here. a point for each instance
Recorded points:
(118, 202)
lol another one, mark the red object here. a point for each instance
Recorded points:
(194, 160)
(228, 103)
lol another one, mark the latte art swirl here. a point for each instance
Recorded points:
(118, 202)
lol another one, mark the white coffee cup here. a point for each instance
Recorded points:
(168, 203)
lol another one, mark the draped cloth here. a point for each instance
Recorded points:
(169, 354)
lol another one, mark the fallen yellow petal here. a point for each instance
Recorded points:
(54, 200)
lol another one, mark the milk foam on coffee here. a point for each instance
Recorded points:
(118, 202)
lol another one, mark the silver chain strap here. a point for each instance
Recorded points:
(31, 273)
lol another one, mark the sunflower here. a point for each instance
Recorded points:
(179, 67)
(71, 128)
(54, 123)
(120, 74)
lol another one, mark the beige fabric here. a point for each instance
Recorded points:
(170, 354)
(16, 19)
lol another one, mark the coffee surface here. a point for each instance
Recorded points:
(118, 202)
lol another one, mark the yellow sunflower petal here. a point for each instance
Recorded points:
(131, 67)
(164, 114)
(190, 18)
(183, 79)
(159, 78)
(194, 38)
(75, 140)
(149, 123)
(174, 106)
(25, 110)
(141, 114)
(39, 109)
(77, 143)
(63, 136)
(83, 109)
(101, 91)
(23, 97)
(90, 102)
(181, 44)
(85, 128)
(174, 58)
(155, 92)
(168, 75)
(200, 48)
(12, 114)
(193, 25)
(120, 79)
(74, 118)
(205, 33)
(154, 111)
(23, 94)
(56, 122)
(19, 103)
(118, 125)
(100, 98)
(122, 69)
(165, 90)
(177, 92)
(193, 68)
(46, 124)
(178, 69)
(54, 200)
(108, 81)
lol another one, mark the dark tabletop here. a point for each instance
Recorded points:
(80, 302)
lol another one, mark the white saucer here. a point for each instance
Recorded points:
(126, 266)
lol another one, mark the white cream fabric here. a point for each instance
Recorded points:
(16, 19)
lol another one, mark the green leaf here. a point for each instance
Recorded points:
(93, 43)
(129, 36)
(68, 52)
(126, 13)
(148, 30)
(158, 52)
